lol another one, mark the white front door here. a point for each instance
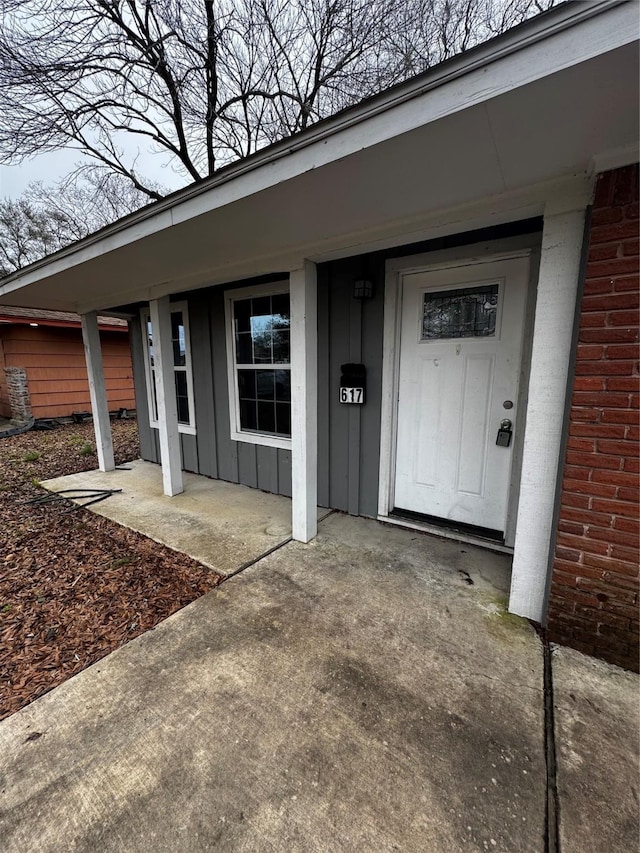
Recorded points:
(460, 353)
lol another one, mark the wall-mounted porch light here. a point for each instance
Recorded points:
(363, 289)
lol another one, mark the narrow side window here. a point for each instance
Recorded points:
(181, 367)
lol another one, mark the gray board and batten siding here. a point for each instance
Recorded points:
(349, 330)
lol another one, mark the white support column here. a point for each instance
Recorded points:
(97, 391)
(550, 360)
(170, 456)
(304, 402)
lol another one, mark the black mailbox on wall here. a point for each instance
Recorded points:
(353, 383)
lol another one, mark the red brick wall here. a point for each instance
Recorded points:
(593, 604)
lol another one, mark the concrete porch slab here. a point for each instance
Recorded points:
(363, 692)
(223, 525)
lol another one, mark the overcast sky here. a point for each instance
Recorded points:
(46, 168)
(51, 166)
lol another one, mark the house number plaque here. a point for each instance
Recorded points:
(351, 395)
(353, 382)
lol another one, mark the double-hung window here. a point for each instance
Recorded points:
(181, 367)
(258, 358)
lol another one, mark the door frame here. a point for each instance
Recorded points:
(395, 271)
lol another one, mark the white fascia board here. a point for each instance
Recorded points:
(560, 39)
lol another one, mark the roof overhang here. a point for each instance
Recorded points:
(490, 136)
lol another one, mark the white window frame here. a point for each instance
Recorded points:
(145, 315)
(237, 434)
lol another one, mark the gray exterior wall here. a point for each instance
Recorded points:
(349, 330)
(210, 451)
(347, 434)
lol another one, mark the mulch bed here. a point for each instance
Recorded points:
(74, 587)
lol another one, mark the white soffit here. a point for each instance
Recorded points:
(505, 120)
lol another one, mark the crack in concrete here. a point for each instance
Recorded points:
(511, 683)
(267, 553)
(552, 808)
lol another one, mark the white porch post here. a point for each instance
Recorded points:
(304, 402)
(550, 359)
(170, 456)
(97, 391)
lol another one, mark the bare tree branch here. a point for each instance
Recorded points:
(206, 81)
(45, 219)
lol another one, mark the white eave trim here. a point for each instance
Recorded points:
(188, 203)
(608, 160)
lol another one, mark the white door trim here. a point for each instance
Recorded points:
(395, 270)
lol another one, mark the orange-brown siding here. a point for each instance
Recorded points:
(56, 371)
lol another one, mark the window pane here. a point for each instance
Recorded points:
(182, 396)
(244, 352)
(266, 417)
(261, 307)
(150, 342)
(248, 415)
(154, 393)
(179, 355)
(247, 384)
(178, 339)
(261, 330)
(262, 348)
(265, 384)
(283, 418)
(261, 324)
(283, 385)
(281, 347)
(464, 313)
(176, 324)
(183, 410)
(242, 313)
(280, 310)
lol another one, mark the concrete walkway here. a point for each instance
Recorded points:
(365, 692)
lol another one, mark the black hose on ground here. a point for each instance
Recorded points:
(17, 430)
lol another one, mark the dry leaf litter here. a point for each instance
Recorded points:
(74, 587)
